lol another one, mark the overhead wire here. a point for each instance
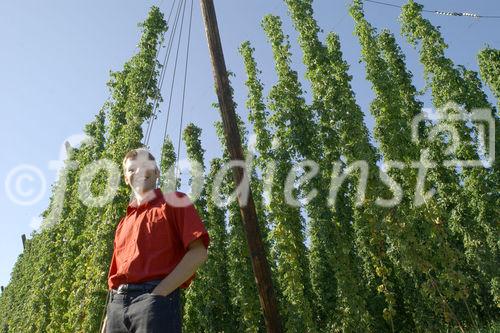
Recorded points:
(155, 100)
(162, 73)
(174, 74)
(439, 12)
(184, 87)
(173, 77)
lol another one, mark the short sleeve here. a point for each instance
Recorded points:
(189, 224)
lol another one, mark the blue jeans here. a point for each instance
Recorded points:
(139, 311)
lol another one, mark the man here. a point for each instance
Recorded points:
(159, 244)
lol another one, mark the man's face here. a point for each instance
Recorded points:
(141, 173)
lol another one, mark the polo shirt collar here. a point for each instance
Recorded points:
(156, 195)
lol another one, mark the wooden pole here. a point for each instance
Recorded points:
(233, 144)
(23, 238)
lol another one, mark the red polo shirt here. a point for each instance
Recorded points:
(152, 238)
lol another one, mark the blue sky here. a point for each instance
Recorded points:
(55, 62)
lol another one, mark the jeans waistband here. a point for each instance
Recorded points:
(143, 286)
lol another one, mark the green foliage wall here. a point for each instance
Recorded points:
(406, 267)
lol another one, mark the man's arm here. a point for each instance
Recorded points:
(194, 257)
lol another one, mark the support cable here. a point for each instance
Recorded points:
(439, 12)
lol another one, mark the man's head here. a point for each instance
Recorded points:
(140, 170)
